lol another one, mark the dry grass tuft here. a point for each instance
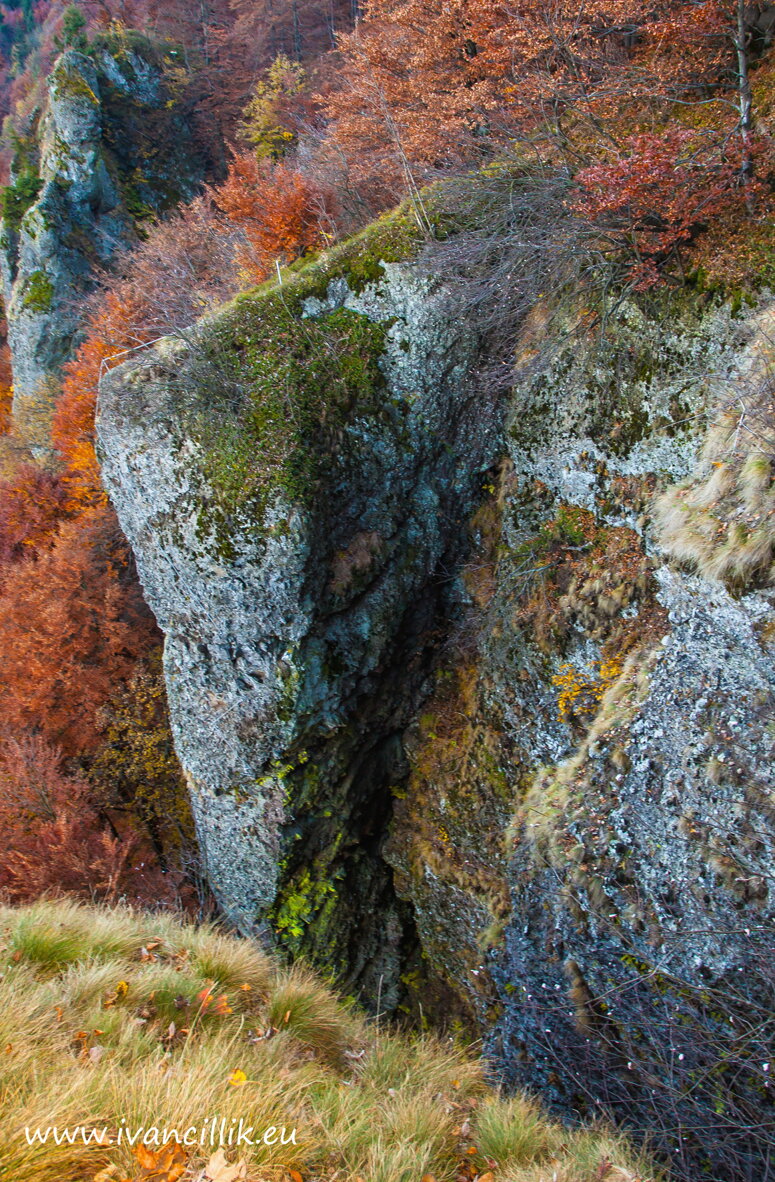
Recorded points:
(722, 521)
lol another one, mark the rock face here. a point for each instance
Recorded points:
(639, 946)
(112, 145)
(297, 623)
(439, 676)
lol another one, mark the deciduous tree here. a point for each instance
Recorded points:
(73, 627)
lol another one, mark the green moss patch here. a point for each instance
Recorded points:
(274, 391)
(71, 84)
(38, 292)
(16, 198)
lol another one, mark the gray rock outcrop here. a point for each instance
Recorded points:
(295, 648)
(112, 145)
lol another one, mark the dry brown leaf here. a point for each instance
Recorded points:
(219, 1170)
(167, 1164)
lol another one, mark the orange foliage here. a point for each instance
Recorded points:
(53, 841)
(6, 398)
(427, 86)
(73, 625)
(432, 84)
(32, 503)
(281, 212)
(73, 426)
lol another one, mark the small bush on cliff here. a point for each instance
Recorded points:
(110, 1015)
(17, 198)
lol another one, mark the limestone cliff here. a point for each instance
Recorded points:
(111, 146)
(294, 480)
(440, 673)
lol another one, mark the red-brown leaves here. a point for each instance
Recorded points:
(73, 626)
(52, 838)
(663, 187)
(32, 503)
(281, 212)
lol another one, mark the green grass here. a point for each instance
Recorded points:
(111, 1015)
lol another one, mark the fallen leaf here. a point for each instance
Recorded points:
(146, 1156)
(107, 1175)
(167, 1164)
(237, 1078)
(295, 1176)
(219, 1170)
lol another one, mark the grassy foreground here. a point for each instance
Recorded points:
(113, 1019)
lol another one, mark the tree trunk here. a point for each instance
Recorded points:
(744, 100)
